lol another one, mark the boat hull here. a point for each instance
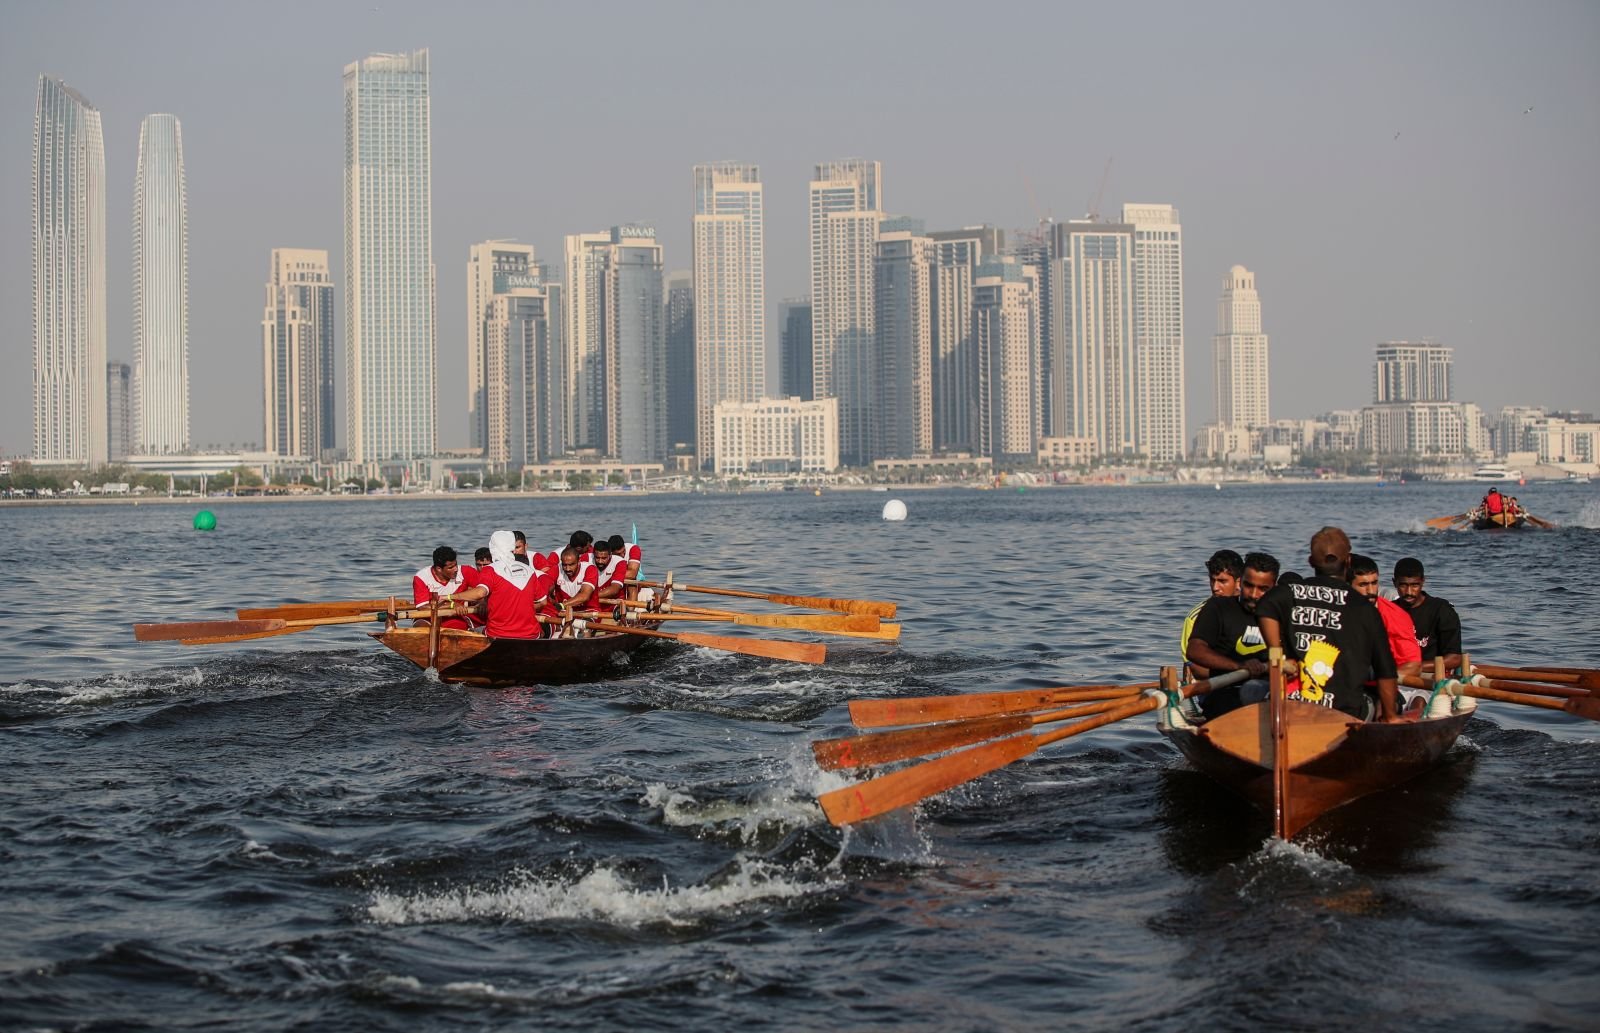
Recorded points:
(1334, 759)
(473, 659)
(1499, 521)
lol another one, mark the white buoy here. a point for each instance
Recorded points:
(894, 509)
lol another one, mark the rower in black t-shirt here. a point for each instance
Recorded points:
(1335, 636)
(1438, 625)
(1227, 638)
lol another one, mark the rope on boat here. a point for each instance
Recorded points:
(1447, 698)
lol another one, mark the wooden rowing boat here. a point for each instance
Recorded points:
(1505, 520)
(475, 659)
(1333, 758)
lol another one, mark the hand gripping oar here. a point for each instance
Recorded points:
(919, 781)
(799, 652)
(859, 751)
(917, 710)
(195, 633)
(874, 607)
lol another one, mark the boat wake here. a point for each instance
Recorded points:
(1589, 516)
(605, 895)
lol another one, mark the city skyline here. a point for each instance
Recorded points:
(1421, 152)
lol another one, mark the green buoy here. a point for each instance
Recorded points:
(205, 520)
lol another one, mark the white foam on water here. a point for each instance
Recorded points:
(1277, 851)
(1589, 515)
(603, 895)
(773, 807)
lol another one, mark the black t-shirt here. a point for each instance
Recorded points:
(1438, 627)
(1223, 624)
(1336, 635)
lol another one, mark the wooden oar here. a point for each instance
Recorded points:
(1440, 523)
(207, 632)
(1278, 717)
(859, 751)
(919, 781)
(1583, 705)
(919, 710)
(874, 607)
(305, 611)
(799, 652)
(797, 621)
(1536, 522)
(1577, 678)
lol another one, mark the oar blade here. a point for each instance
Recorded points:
(916, 710)
(188, 630)
(1584, 706)
(919, 781)
(313, 611)
(843, 622)
(885, 633)
(859, 751)
(218, 639)
(796, 652)
(1440, 523)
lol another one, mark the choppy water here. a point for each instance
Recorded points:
(306, 832)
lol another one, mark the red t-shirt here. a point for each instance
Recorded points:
(614, 571)
(566, 588)
(1401, 631)
(511, 609)
(424, 585)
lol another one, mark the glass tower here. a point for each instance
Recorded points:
(297, 354)
(390, 326)
(69, 278)
(845, 209)
(160, 290)
(730, 304)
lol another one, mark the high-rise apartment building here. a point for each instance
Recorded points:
(160, 290)
(903, 377)
(517, 401)
(794, 348)
(297, 354)
(956, 257)
(1006, 338)
(681, 413)
(69, 278)
(1406, 371)
(1090, 388)
(1157, 330)
(730, 298)
(1239, 354)
(119, 411)
(390, 327)
(616, 344)
(846, 205)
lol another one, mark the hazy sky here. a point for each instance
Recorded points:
(1376, 164)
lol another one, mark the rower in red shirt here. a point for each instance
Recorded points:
(611, 570)
(445, 577)
(575, 583)
(1397, 625)
(514, 589)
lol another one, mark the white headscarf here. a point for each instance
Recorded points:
(502, 553)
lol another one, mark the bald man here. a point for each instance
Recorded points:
(1334, 637)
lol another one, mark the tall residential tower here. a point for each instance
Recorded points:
(160, 291)
(390, 327)
(1157, 330)
(1239, 354)
(69, 278)
(730, 297)
(846, 207)
(297, 354)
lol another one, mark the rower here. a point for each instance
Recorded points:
(1438, 627)
(575, 583)
(583, 541)
(1226, 637)
(522, 547)
(1396, 624)
(482, 558)
(611, 571)
(514, 589)
(631, 554)
(1224, 569)
(444, 578)
(1493, 504)
(1333, 638)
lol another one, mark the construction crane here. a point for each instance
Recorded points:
(1094, 203)
(1039, 236)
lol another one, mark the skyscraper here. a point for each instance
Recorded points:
(69, 278)
(730, 297)
(119, 411)
(903, 406)
(1006, 338)
(297, 354)
(1091, 370)
(1406, 371)
(616, 321)
(1239, 354)
(390, 327)
(1157, 330)
(515, 356)
(794, 348)
(956, 257)
(680, 360)
(160, 290)
(845, 209)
